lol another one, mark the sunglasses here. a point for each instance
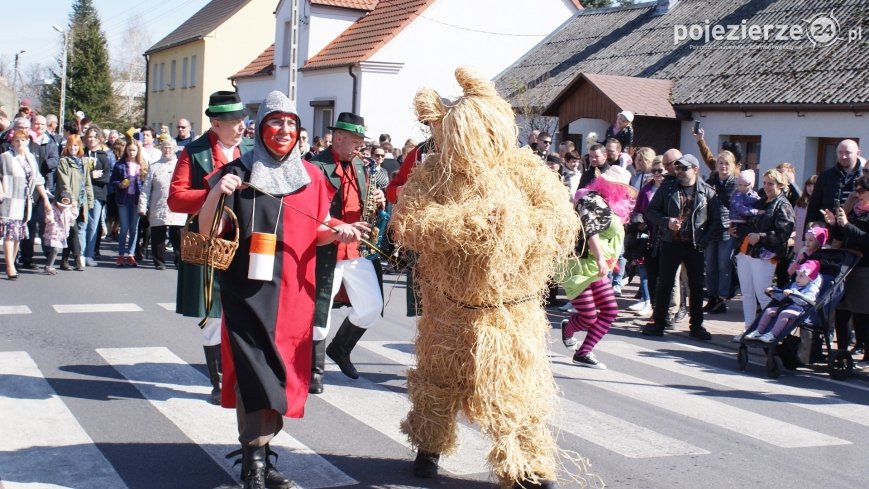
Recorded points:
(658, 170)
(182, 127)
(681, 168)
(545, 141)
(379, 155)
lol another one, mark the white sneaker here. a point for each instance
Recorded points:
(738, 338)
(567, 308)
(639, 306)
(617, 290)
(753, 335)
(767, 338)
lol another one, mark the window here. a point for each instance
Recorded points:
(323, 113)
(193, 71)
(288, 44)
(155, 78)
(750, 146)
(184, 73)
(827, 152)
(172, 75)
(162, 78)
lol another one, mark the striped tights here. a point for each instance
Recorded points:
(596, 309)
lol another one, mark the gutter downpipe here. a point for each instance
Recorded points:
(147, 80)
(355, 88)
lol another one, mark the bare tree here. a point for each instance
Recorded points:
(529, 111)
(128, 71)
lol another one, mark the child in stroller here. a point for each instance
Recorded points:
(802, 292)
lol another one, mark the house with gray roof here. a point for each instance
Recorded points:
(787, 76)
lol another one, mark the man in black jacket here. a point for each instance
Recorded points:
(834, 185)
(44, 148)
(686, 210)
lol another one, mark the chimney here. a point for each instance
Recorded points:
(665, 6)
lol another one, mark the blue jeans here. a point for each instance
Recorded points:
(128, 215)
(644, 282)
(719, 267)
(95, 219)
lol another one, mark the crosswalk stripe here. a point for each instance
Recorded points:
(15, 310)
(179, 391)
(169, 306)
(607, 431)
(43, 446)
(384, 409)
(819, 402)
(79, 308)
(722, 415)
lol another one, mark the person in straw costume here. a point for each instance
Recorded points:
(488, 222)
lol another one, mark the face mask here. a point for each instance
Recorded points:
(278, 147)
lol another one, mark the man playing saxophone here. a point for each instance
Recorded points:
(341, 264)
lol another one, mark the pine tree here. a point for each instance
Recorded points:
(88, 76)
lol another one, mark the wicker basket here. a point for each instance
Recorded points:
(208, 250)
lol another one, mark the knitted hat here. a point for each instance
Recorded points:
(820, 233)
(811, 268)
(746, 177)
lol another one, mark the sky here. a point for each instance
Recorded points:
(32, 30)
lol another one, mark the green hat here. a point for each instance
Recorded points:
(225, 105)
(351, 123)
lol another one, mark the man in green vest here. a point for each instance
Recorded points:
(342, 264)
(221, 144)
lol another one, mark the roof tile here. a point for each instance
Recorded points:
(262, 65)
(354, 4)
(362, 39)
(200, 24)
(631, 41)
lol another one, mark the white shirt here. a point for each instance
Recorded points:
(228, 151)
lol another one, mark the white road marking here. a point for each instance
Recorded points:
(819, 402)
(15, 310)
(84, 308)
(384, 409)
(179, 392)
(607, 431)
(169, 306)
(42, 444)
(742, 421)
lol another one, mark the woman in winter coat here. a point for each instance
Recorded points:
(154, 203)
(764, 245)
(19, 177)
(74, 176)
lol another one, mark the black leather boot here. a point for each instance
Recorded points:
(212, 360)
(426, 464)
(274, 478)
(318, 366)
(341, 346)
(253, 467)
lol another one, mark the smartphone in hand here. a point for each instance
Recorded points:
(696, 127)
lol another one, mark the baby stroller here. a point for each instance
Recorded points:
(814, 321)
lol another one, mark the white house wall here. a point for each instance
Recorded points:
(785, 136)
(430, 51)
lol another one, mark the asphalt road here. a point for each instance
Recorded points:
(103, 386)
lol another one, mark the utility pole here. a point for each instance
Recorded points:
(15, 80)
(62, 76)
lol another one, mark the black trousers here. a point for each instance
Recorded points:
(158, 243)
(142, 238)
(35, 228)
(670, 255)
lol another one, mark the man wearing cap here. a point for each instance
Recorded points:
(221, 144)
(341, 264)
(686, 211)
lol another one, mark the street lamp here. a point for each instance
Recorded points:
(15, 78)
(62, 75)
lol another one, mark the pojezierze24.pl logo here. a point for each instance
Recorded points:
(821, 30)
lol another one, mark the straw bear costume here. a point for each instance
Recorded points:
(488, 223)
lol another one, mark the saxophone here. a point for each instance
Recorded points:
(374, 217)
